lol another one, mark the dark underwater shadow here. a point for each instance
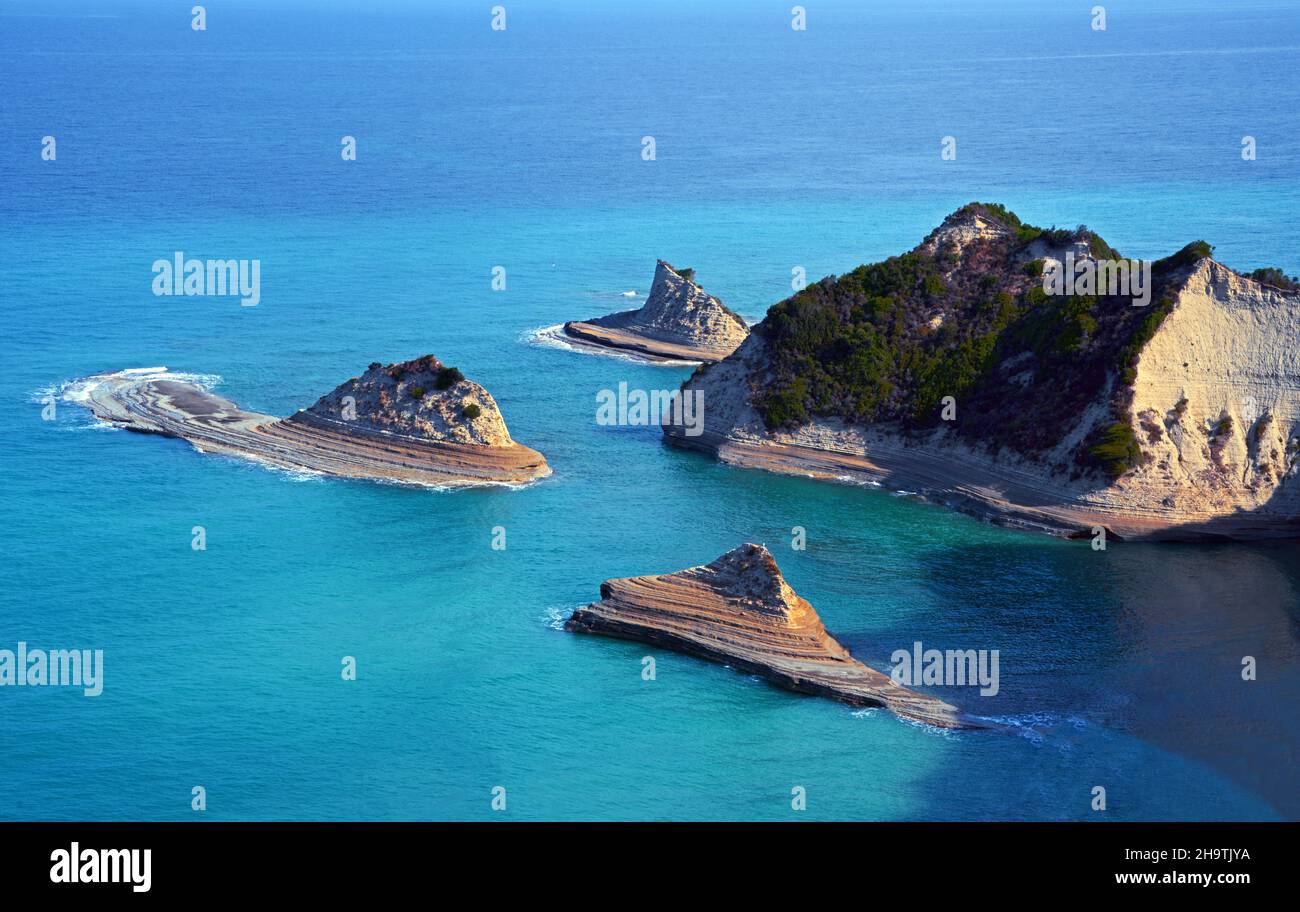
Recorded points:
(1143, 641)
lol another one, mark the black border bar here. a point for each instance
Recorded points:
(220, 859)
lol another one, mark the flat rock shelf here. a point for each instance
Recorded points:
(740, 611)
(156, 402)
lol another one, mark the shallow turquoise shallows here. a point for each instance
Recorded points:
(775, 149)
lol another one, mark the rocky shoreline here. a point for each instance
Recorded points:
(385, 425)
(740, 611)
(679, 322)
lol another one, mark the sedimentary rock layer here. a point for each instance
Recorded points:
(739, 610)
(679, 322)
(381, 426)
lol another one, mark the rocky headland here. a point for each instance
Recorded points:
(680, 321)
(740, 611)
(951, 372)
(417, 422)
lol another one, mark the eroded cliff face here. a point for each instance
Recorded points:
(679, 320)
(406, 399)
(680, 310)
(1214, 404)
(728, 388)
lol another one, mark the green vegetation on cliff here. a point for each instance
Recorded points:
(448, 377)
(968, 317)
(1277, 278)
(1117, 449)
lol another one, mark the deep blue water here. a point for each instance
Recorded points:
(521, 148)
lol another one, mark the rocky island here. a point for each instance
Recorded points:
(417, 422)
(680, 321)
(740, 611)
(1164, 412)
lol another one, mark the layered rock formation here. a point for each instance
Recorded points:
(418, 422)
(739, 610)
(680, 321)
(1177, 420)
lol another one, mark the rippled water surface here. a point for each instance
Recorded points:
(775, 150)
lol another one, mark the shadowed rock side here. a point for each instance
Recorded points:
(1178, 420)
(740, 611)
(680, 321)
(418, 422)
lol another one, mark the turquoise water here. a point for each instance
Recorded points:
(775, 149)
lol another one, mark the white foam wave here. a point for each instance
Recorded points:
(556, 616)
(80, 390)
(1037, 726)
(549, 336)
(868, 712)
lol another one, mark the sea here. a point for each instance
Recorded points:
(507, 179)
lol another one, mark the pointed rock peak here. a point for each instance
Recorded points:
(1190, 258)
(422, 398)
(423, 364)
(973, 222)
(679, 321)
(750, 573)
(751, 558)
(663, 268)
(988, 214)
(677, 302)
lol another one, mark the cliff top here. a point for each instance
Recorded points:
(421, 398)
(749, 574)
(676, 290)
